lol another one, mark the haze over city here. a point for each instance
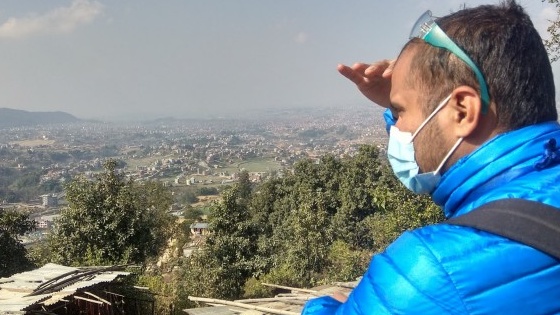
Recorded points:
(125, 59)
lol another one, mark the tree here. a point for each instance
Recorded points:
(399, 210)
(192, 214)
(333, 215)
(360, 175)
(319, 224)
(553, 43)
(223, 265)
(13, 258)
(308, 236)
(111, 220)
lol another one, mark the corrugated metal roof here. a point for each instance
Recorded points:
(15, 290)
(199, 225)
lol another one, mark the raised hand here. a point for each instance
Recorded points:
(374, 81)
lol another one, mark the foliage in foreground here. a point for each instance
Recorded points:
(318, 225)
(13, 255)
(111, 220)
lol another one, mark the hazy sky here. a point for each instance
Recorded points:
(116, 59)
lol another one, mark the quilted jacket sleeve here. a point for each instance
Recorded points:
(405, 279)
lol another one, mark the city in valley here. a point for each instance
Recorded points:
(193, 157)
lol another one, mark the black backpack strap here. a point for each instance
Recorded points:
(528, 222)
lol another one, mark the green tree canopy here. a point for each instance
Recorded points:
(226, 262)
(13, 258)
(553, 43)
(111, 220)
(321, 223)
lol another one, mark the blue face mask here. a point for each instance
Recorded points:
(403, 162)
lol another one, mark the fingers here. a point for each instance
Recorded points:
(351, 73)
(360, 67)
(360, 72)
(383, 68)
(374, 81)
(389, 71)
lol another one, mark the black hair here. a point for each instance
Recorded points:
(506, 47)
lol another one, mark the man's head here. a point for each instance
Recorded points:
(503, 43)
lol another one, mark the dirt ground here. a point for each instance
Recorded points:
(33, 143)
(203, 200)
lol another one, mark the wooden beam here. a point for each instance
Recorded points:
(289, 288)
(89, 300)
(242, 305)
(97, 297)
(275, 299)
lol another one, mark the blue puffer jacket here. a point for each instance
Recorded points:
(447, 269)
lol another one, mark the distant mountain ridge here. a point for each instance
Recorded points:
(15, 117)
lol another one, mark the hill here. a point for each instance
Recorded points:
(15, 118)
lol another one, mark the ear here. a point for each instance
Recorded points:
(464, 111)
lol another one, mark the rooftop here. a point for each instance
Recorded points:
(51, 284)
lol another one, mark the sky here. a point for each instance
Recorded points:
(145, 59)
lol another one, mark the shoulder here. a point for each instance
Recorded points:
(437, 270)
(410, 276)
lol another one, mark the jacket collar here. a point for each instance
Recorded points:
(491, 165)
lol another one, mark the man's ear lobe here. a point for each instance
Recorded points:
(466, 110)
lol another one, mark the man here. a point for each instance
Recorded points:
(472, 109)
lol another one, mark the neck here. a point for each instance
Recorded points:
(487, 129)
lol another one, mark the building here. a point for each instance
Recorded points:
(199, 228)
(46, 221)
(50, 200)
